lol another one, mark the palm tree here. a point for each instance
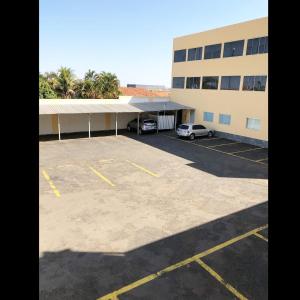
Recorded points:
(64, 83)
(108, 85)
(91, 88)
(79, 89)
(88, 87)
(90, 75)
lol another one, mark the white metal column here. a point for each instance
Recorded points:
(89, 126)
(138, 124)
(157, 122)
(116, 124)
(175, 121)
(58, 123)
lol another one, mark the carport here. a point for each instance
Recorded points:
(62, 107)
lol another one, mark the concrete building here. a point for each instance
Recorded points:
(223, 74)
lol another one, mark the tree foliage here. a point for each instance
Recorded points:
(63, 84)
(45, 89)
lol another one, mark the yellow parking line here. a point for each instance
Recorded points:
(259, 160)
(101, 176)
(55, 190)
(261, 236)
(106, 160)
(180, 264)
(142, 168)
(217, 150)
(246, 150)
(64, 166)
(220, 279)
(224, 144)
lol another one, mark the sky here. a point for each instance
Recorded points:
(131, 38)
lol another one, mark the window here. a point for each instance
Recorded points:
(253, 124)
(258, 45)
(193, 82)
(233, 48)
(196, 127)
(178, 83)
(179, 55)
(149, 121)
(210, 82)
(208, 116)
(183, 127)
(224, 119)
(263, 45)
(195, 53)
(254, 83)
(212, 51)
(230, 82)
(260, 83)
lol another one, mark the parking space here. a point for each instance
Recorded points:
(129, 217)
(230, 147)
(201, 268)
(213, 142)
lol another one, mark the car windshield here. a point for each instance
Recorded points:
(183, 127)
(149, 121)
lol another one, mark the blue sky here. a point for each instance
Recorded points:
(131, 38)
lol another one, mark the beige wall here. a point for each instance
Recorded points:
(79, 122)
(239, 104)
(45, 124)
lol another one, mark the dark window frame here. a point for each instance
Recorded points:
(204, 82)
(177, 58)
(211, 54)
(197, 55)
(254, 45)
(229, 46)
(189, 85)
(231, 84)
(178, 77)
(250, 83)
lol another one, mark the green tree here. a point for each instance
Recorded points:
(88, 87)
(93, 86)
(108, 85)
(64, 83)
(45, 89)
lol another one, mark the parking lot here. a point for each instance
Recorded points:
(230, 147)
(153, 217)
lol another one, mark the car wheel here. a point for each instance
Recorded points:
(128, 128)
(210, 134)
(192, 136)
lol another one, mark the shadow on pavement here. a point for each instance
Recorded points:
(84, 275)
(207, 160)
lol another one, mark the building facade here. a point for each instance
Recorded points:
(223, 74)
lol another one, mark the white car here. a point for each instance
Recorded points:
(191, 130)
(145, 125)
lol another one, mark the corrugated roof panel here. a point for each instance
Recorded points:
(48, 108)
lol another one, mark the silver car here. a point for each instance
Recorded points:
(145, 124)
(191, 130)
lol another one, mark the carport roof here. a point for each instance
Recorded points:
(54, 106)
